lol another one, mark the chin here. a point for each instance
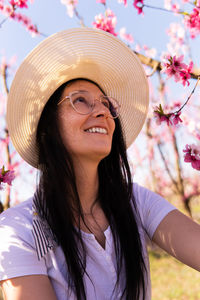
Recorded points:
(99, 153)
(102, 155)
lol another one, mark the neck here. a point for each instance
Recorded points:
(87, 182)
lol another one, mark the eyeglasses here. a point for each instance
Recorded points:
(83, 103)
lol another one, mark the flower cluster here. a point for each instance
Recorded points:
(19, 3)
(169, 5)
(192, 155)
(192, 22)
(193, 126)
(9, 11)
(151, 52)
(6, 176)
(125, 36)
(173, 66)
(170, 118)
(176, 33)
(106, 22)
(101, 1)
(123, 1)
(139, 4)
(71, 6)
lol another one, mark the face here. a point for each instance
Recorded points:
(89, 136)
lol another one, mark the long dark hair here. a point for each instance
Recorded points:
(57, 189)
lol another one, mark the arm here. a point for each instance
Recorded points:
(180, 236)
(28, 287)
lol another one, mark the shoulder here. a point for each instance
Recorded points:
(17, 221)
(18, 251)
(145, 198)
(152, 208)
(17, 214)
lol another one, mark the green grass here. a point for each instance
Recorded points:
(171, 279)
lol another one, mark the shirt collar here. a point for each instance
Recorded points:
(44, 240)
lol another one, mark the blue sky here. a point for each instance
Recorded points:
(50, 16)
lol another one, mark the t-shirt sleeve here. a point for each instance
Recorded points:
(18, 256)
(152, 208)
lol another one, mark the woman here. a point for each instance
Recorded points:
(74, 101)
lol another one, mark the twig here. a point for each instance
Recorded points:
(79, 17)
(155, 67)
(156, 64)
(163, 9)
(5, 85)
(176, 112)
(166, 167)
(3, 21)
(4, 76)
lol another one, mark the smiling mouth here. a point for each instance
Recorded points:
(97, 130)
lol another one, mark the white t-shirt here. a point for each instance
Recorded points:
(27, 248)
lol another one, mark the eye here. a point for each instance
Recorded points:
(105, 102)
(79, 100)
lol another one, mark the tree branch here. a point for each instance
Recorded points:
(8, 156)
(156, 65)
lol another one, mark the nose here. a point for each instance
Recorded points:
(100, 109)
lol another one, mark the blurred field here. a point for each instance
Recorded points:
(171, 279)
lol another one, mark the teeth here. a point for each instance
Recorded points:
(97, 129)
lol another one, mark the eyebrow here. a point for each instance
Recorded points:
(87, 91)
(81, 91)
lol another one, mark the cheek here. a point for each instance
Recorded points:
(66, 126)
(112, 126)
(69, 127)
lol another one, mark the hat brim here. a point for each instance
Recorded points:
(75, 53)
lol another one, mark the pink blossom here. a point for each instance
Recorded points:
(138, 48)
(19, 3)
(101, 1)
(161, 118)
(123, 1)
(177, 34)
(139, 4)
(186, 74)
(151, 52)
(168, 4)
(175, 118)
(175, 67)
(192, 22)
(6, 176)
(169, 118)
(125, 36)
(24, 20)
(175, 8)
(70, 5)
(106, 22)
(192, 155)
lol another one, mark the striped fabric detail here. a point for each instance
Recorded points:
(42, 234)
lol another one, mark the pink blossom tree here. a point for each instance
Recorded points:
(168, 152)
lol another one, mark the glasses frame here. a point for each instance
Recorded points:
(69, 97)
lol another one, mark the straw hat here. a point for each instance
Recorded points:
(75, 53)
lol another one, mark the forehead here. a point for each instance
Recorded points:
(81, 85)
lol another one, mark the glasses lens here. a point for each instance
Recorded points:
(112, 105)
(82, 102)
